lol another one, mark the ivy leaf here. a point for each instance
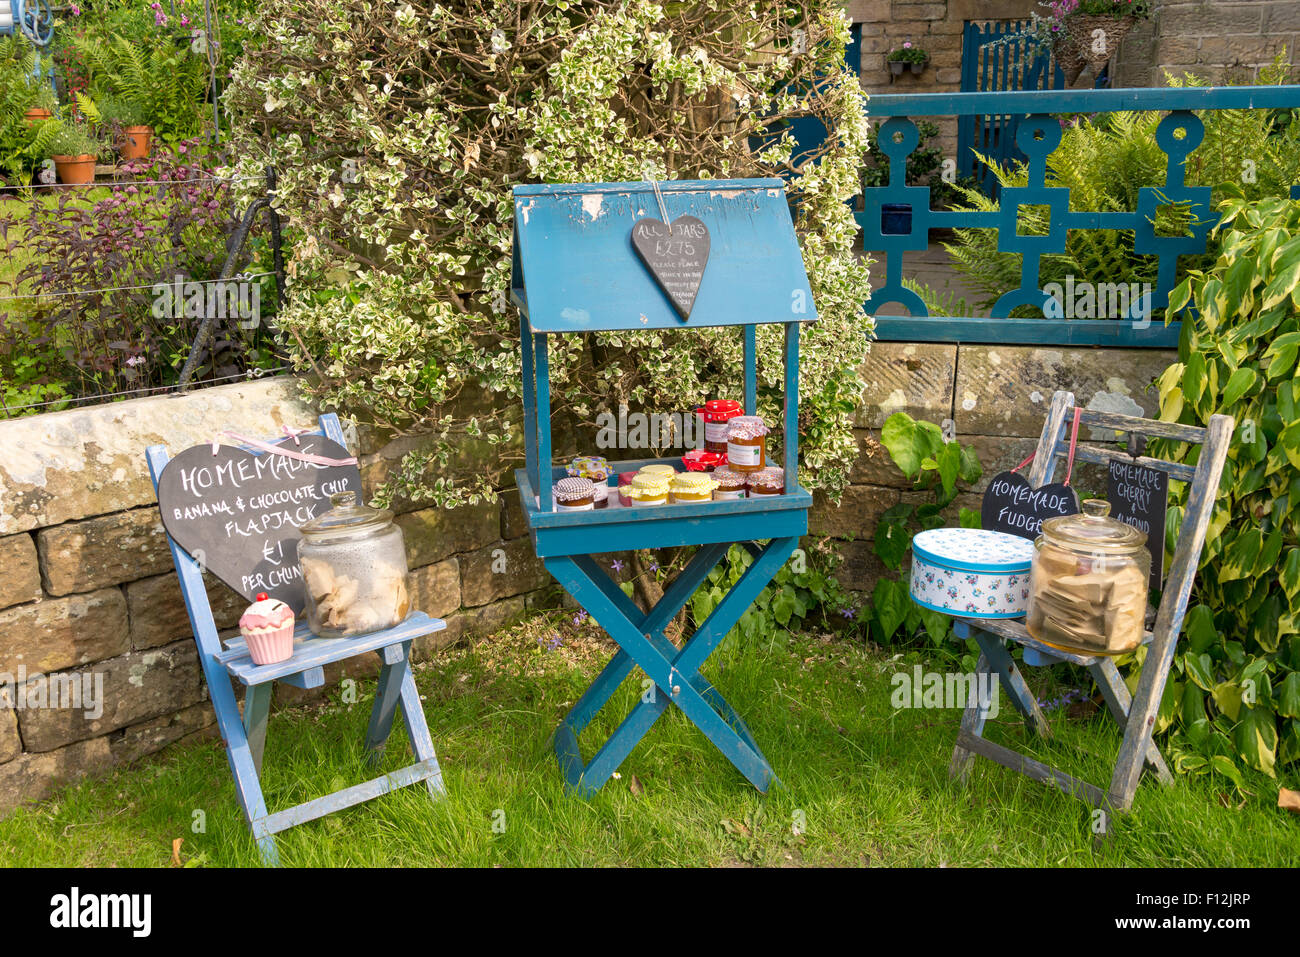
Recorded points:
(888, 600)
(1256, 739)
(909, 442)
(1242, 555)
(1290, 574)
(1239, 383)
(1288, 696)
(1223, 765)
(1201, 670)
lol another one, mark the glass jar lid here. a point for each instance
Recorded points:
(1094, 530)
(345, 518)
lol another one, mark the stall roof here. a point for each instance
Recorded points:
(575, 269)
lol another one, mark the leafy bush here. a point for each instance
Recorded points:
(1234, 698)
(1104, 160)
(17, 95)
(94, 328)
(58, 138)
(938, 467)
(399, 129)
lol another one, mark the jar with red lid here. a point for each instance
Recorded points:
(716, 413)
(746, 443)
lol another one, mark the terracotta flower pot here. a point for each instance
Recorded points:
(75, 170)
(36, 115)
(1097, 50)
(135, 142)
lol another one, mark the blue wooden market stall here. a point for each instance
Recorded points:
(575, 271)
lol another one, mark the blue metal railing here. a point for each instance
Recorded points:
(1038, 133)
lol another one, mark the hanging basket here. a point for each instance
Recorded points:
(1083, 28)
(1068, 58)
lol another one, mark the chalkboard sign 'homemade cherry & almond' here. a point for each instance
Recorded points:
(580, 267)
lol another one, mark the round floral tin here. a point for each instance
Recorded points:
(971, 572)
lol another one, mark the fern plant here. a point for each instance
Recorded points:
(1104, 161)
(165, 86)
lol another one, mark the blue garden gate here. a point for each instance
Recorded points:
(986, 68)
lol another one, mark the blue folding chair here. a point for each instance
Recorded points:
(245, 738)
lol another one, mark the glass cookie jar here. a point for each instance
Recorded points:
(353, 562)
(1088, 583)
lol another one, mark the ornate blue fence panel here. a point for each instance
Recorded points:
(988, 65)
(1037, 135)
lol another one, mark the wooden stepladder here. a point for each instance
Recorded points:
(1135, 714)
(245, 736)
(576, 272)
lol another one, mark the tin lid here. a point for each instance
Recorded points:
(974, 549)
(346, 517)
(1094, 530)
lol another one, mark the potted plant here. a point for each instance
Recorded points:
(43, 105)
(1098, 26)
(127, 118)
(74, 148)
(908, 55)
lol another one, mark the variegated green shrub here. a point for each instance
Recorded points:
(399, 129)
(1234, 698)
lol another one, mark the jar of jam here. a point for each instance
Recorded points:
(731, 484)
(667, 471)
(648, 489)
(600, 495)
(574, 495)
(716, 413)
(766, 481)
(747, 443)
(624, 483)
(690, 487)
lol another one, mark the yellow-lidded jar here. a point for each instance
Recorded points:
(689, 487)
(667, 471)
(1088, 583)
(648, 489)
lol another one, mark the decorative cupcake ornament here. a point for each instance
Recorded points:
(267, 626)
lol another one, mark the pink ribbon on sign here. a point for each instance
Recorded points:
(1074, 440)
(281, 450)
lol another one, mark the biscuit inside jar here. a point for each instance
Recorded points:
(1088, 584)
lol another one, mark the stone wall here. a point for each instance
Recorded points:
(88, 587)
(996, 397)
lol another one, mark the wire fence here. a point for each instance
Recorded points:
(211, 312)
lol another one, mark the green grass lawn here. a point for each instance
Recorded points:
(869, 781)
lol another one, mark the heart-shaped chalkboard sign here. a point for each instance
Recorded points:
(1011, 505)
(676, 255)
(237, 513)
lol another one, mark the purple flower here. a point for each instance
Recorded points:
(185, 21)
(579, 618)
(848, 613)
(617, 565)
(654, 566)
(76, 10)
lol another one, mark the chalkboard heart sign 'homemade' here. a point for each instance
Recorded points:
(676, 255)
(238, 513)
(1139, 496)
(1011, 505)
